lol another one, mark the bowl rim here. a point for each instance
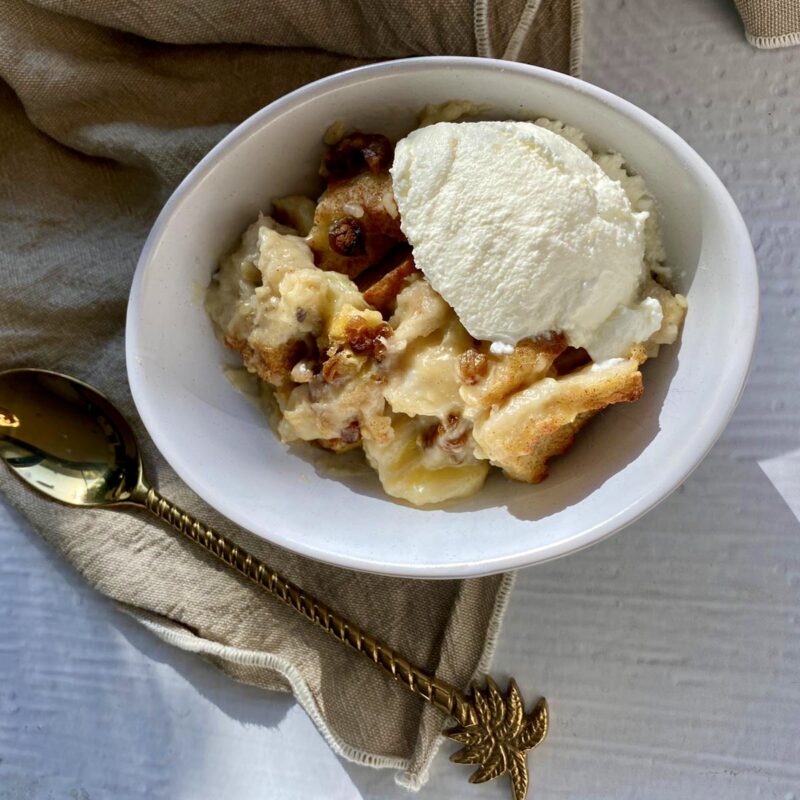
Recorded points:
(662, 486)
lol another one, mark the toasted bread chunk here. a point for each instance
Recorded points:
(533, 467)
(271, 364)
(382, 283)
(356, 223)
(363, 331)
(538, 422)
(349, 439)
(326, 411)
(503, 375)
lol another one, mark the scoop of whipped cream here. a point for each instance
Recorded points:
(522, 233)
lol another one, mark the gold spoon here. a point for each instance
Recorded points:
(67, 441)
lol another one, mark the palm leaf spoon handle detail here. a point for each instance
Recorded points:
(67, 441)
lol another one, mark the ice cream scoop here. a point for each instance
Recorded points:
(522, 233)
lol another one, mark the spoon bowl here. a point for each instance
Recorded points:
(66, 440)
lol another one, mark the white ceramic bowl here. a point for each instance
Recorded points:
(626, 462)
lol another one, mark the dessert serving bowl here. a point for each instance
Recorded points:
(625, 462)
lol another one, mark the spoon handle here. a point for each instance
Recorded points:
(440, 694)
(494, 729)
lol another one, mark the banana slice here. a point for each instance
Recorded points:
(404, 472)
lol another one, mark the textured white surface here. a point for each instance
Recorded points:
(670, 653)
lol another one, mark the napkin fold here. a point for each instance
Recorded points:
(770, 23)
(105, 105)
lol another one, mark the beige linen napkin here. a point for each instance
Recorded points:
(771, 23)
(106, 104)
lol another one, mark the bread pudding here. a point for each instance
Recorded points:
(355, 312)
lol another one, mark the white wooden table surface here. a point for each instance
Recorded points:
(670, 653)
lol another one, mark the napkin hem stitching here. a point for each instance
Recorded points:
(576, 39)
(774, 42)
(249, 658)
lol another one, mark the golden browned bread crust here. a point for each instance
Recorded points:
(533, 467)
(382, 283)
(540, 421)
(271, 364)
(503, 375)
(365, 204)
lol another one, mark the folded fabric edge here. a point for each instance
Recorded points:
(576, 39)
(774, 42)
(483, 46)
(174, 634)
(480, 23)
(415, 780)
(177, 636)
